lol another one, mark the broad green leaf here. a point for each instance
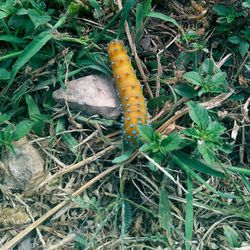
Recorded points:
(244, 47)
(215, 129)
(4, 74)
(171, 142)
(125, 156)
(189, 214)
(2, 14)
(198, 114)
(22, 129)
(184, 159)
(11, 39)
(157, 102)
(231, 236)
(185, 91)
(208, 66)
(146, 147)
(219, 78)
(234, 39)
(4, 117)
(22, 11)
(221, 10)
(146, 132)
(193, 77)
(191, 132)
(30, 50)
(164, 210)
(163, 17)
(207, 151)
(36, 18)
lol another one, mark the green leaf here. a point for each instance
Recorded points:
(234, 39)
(71, 142)
(231, 236)
(139, 25)
(22, 129)
(215, 130)
(22, 11)
(4, 117)
(4, 74)
(244, 47)
(147, 133)
(191, 132)
(221, 10)
(35, 115)
(207, 151)
(30, 50)
(189, 171)
(125, 156)
(163, 17)
(171, 142)
(193, 77)
(36, 18)
(95, 6)
(208, 66)
(185, 91)
(147, 7)
(246, 4)
(128, 216)
(2, 14)
(7, 134)
(11, 39)
(164, 210)
(219, 78)
(189, 214)
(142, 11)
(245, 171)
(126, 9)
(198, 114)
(246, 182)
(184, 159)
(146, 147)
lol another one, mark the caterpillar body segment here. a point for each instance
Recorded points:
(129, 88)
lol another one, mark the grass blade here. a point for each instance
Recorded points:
(31, 49)
(11, 39)
(189, 214)
(164, 210)
(163, 17)
(197, 165)
(126, 9)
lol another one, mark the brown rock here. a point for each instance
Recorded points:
(92, 95)
(24, 167)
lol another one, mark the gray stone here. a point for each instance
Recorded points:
(91, 95)
(24, 167)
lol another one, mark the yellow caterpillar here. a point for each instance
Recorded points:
(129, 88)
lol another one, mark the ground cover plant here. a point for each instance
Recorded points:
(185, 185)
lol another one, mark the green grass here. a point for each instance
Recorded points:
(187, 183)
